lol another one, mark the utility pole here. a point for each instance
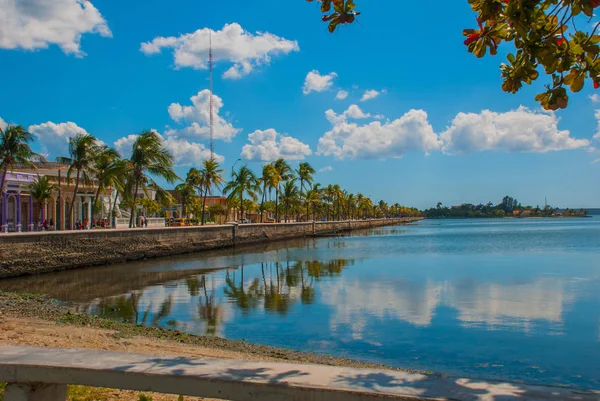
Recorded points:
(210, 67)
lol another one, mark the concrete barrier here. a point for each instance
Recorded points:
(42, 252)
(35, 374)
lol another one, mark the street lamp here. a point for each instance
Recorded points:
(236, 162)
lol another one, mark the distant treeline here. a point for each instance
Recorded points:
(508, 207)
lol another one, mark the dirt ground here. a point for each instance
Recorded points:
(41, 333)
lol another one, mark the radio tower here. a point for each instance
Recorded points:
(210, 68)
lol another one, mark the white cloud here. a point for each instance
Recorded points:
(185, 153)
(411, 132)
(54, 138)
(198, 116)
(37, 24)
(371, 94)
(3, 124)
(353, 112)
(597, 134)
(269, 145)
(325, 169)
(315, 82)
(341, 95)
(595, 98)
(520, 130)
(231, 44)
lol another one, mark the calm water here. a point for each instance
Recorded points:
(506, 299)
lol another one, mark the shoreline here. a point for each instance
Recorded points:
(35, 320)
(38, 308)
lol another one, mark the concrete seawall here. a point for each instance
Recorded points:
(35, 253)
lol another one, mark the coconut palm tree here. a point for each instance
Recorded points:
(267, 181)
(41, 190)
(305, 175)
(312, 199)
(149, 156)
(290, 197)
(108, 170)
(211, 177)
(242, 182)
(14, 149)
(82, 153)
(284, 173)
(186, 194)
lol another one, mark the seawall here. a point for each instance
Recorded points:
(44, 252)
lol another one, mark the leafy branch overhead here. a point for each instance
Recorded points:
(338, 12)
(556, 37)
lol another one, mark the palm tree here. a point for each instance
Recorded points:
(186, 194)
(289, 196)
(14, 149)
(108, 170)
(337, 194)
(305, 175)
(312, 198)
(82, 152)
(284, 173)
(149, 156)
(242, 182)
(41, 190)
(267, 181)
(211, 177)
(119, 182)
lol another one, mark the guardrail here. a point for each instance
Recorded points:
(35, 374)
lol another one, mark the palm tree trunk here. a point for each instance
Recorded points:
(277, 205)
(132, 216)
(204, 205)
(95, 202)
(3, 180)
(241, 204)
(262, 203)
(112, 209)
(301, 194)
(73, 200)
(308, 210)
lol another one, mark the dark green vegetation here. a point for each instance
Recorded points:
(508, 207)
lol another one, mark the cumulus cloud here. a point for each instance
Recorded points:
(3, 124)
(197, 115)
(353, 112)
(54, 138)
(597, 134)
(325, 169)
(231, 44)
(595, 98)
(393, 139)
(269, 145)
(185, 153)
(341, 95)
(371, 94)
(315, 82)
(520, 130)
(37, 24)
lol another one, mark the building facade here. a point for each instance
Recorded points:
(20, 212)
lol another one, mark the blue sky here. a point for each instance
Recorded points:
(440, 128)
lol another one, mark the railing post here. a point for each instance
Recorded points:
(35, 392)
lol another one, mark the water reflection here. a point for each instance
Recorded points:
(498, 300)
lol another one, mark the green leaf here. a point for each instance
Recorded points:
(578, 82)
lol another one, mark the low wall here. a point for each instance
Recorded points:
(42, 252)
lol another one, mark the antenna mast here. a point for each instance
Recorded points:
(210, 67)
